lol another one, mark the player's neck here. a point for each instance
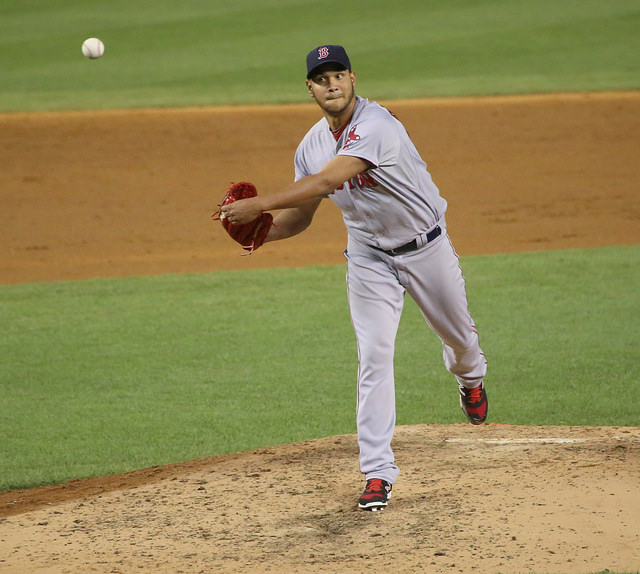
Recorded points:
(338, 121)
(337, 124)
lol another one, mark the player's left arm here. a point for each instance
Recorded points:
(293, 220)
(313, 187)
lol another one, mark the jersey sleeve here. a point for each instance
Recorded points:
(374, 140)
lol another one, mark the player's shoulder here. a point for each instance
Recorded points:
(369, 110)
(314, 141)
(317, 130)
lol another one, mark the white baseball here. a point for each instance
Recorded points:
(92, 48)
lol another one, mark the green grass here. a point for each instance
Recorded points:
(559, 331)
(105, 376)
(204, 52)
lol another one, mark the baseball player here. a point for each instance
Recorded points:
(360, 155)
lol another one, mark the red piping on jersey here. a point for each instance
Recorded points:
(339, 131)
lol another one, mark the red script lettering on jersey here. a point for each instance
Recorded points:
(362, 180)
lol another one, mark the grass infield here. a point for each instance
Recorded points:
(105, 376)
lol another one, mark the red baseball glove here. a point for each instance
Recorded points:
(250, 235)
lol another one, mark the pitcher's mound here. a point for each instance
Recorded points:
(469, 499)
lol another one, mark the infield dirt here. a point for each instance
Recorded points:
(130, 193)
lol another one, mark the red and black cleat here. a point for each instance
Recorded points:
(375, 495)
(474, 404)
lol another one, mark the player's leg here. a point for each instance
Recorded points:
(434, 280)
(375, 301)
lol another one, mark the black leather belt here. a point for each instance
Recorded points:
(412, 245)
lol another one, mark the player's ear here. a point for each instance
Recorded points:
(310, 89)
(353, 78)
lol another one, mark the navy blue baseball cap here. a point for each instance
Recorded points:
(327, 54)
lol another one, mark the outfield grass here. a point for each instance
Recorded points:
(105, 376)
(203, 52)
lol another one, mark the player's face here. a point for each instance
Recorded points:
(333, 90)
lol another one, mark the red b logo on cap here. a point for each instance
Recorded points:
(323, 53)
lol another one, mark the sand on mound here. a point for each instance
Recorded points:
(487, 499)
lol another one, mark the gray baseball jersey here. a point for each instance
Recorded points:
(395, 200)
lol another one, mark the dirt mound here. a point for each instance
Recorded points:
(469, 499)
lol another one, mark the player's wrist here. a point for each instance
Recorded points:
(259, 204)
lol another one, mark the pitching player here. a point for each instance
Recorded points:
(360, 156)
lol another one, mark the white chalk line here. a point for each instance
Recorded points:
(499, 441)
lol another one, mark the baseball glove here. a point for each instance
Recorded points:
(250, 235)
